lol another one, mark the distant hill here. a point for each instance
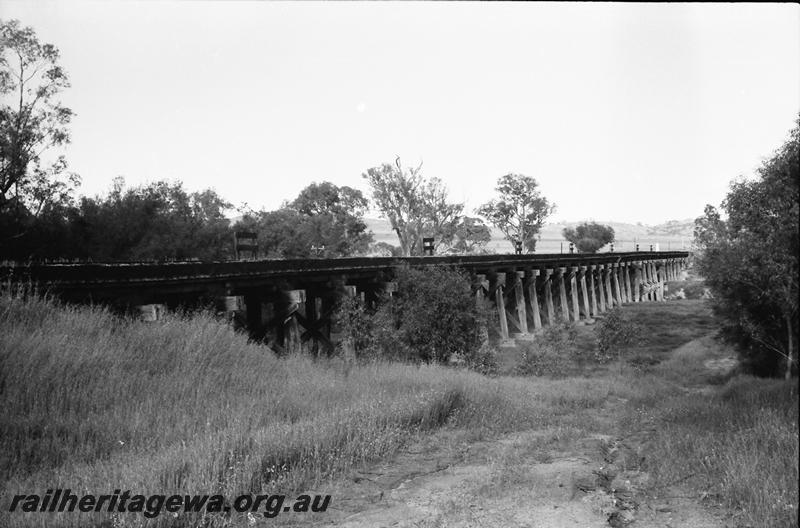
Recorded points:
(674, 234)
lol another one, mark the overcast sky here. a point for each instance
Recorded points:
(622, 112)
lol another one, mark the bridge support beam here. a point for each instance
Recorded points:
(637, 282)
(533, 298)
(607, 282)
(626, 279)
(519, 301)
(548, 297)
(481, 287)
(587, 315)
(616, 286)
(573, 289)
(601, 287)
(151, 312)
(562, 295)
(592, 291)
(497, 285)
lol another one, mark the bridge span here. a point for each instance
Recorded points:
(288, 303)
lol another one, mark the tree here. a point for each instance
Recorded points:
(750, 260)
(414, 206)
(432, 316)
(588, 237)
(153, 222)
(31, 122)
(471, 236)
(324, 221)
(333, 217)
(521, 210)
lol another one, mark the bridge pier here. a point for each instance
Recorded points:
(626, 279)
(573, 289)
(151, 312)
(562, 295)
(592, 290)
(607, 281)
(548, 296)
(601, 287)
(615, 281)
(519, 302)
(587, 314)
(481, 287)
(497, 285)
(533, 298)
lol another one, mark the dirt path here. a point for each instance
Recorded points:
(593, 481)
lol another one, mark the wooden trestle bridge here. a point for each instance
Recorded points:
(289, 303)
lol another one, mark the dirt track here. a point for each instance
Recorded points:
(595, 481)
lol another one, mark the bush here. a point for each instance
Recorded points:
(550, 353)
(616, 333)
(431, 317)
(357, 326)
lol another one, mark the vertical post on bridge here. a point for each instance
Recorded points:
(548, 296)
(601, 288)
(534, 299)
(519, 299)
(592, 291)
(481, 287)
(573, 289)
(584, 294)
(607, 281)
(617, 288)
(626, 280)
(562, 295)
(498, 284)
(637, 281)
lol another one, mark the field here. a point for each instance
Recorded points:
(94, 402)
(671, 236)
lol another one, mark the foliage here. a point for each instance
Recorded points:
(31, 77)
(357, 326)
(520, 211)
(157, 221)
(617, 333)
(750, 261)
(588, 237)
(470, 236)
(414, 206)
(324, 221)
(383, 249)
(431, 317)
(550, 353)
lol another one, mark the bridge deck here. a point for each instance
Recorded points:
(77, 274)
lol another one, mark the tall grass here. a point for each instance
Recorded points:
(736, 446)
(95, 402)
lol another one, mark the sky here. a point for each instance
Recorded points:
(622, 112)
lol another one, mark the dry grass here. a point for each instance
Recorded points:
(735, 446)
(94, 402)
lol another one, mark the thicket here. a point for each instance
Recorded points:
(615, 334)
(750, 261)
(552, 353)
(432, 318)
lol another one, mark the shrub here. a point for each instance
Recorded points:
(357, 326)
(431, 317)
(616, 333)
(550, 353)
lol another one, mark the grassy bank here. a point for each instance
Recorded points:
(733, 442)
(94, 402)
